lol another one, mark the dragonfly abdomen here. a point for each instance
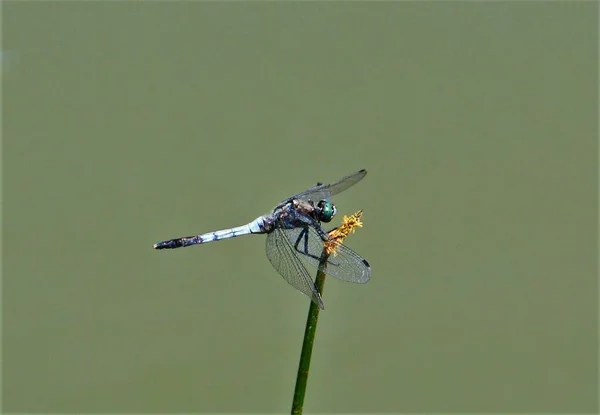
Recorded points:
(256, 226)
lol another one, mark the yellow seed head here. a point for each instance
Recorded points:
(337, 235)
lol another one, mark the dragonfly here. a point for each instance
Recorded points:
(295, 236)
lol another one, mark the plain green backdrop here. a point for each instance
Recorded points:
(127, 123)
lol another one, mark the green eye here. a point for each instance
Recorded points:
(328, 211)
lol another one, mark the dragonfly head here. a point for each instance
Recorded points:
(326, 210)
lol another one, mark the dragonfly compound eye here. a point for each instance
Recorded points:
(328, 211)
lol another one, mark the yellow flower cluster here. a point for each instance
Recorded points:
(337, 235)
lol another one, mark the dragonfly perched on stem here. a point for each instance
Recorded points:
(294, 234)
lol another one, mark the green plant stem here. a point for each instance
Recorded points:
(307, 344)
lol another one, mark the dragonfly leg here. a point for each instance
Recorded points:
(303, 238)
(305, 221)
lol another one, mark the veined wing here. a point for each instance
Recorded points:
(345, 264)
(325, 191)
(281, 255)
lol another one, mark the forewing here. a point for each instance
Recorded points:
(344, 264)
(281, 255)
(325, 191)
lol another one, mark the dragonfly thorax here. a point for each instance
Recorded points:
(325, 210)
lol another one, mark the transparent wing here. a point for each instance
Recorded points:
(325, 191)
(345, 264)
(281, 255)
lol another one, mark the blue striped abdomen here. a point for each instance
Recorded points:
(256, 226)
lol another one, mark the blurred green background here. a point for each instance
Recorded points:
(127, 123)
